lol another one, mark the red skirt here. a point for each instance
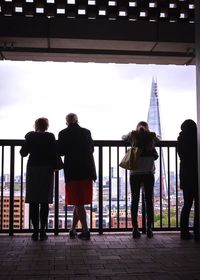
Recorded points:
(79, 192)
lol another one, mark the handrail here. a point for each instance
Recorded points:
(110, 210)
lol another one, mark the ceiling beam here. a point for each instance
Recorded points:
(57, 39)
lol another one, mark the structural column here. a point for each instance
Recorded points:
(197, 52)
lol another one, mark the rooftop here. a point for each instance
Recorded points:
(106, 257)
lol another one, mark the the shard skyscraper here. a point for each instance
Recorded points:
(153, 118)
(154, 123)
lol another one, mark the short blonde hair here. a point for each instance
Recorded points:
(41, 124)
(71, 118)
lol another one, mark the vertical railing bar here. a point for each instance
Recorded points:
(100, 190)
(66, 214)
(143, 213)
(29, 218)
(91, 210)
(118, 206)
(153, 222)
(168, 180)
(176, 168)
(12, 166)
(110, 188)
(161, 182)
(56, 214)
(66, 211)
(21, 195)
(126, 194)
(2, 181)
(91, 207)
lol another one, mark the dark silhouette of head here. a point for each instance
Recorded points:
(71, 118)
(41, 124)
(142, 126)
(188, 125)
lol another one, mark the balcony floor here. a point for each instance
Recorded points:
(105, 257)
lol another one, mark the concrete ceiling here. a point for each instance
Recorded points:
(43, 38)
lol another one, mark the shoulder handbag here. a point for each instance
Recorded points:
(130, 159)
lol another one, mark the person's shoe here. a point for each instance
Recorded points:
(186, 235)
(72, 234)
(84, 235)
(136, 233)
(149, 233)
(43, 236)
(34, 236)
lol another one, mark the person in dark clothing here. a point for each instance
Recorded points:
(41, 147)
(76, 145)
(143, 175)
(187, 151)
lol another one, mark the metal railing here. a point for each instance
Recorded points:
(110, 209)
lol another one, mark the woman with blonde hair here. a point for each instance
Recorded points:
(143, 175)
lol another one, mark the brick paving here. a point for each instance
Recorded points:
(105, 257)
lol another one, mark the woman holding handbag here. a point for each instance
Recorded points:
(143, 174)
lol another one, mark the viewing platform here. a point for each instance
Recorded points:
(111, 253)
(105, 257)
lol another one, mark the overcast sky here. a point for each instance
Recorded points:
(109, 99)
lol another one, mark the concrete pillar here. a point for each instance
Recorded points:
(197, 51)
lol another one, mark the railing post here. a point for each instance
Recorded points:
(56, 214)
(2, 182)
(177, 202)
(143, 214)
(118, 192)
(197, 54)
(100, 190)
(161, 185)
(12, 175)
(21, 194)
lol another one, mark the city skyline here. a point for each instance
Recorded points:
(115, 190)
(104, 96)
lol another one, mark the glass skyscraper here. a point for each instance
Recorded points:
(153, 118)
(154, 123)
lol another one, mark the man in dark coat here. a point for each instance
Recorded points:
(76, 145)
(187, 151)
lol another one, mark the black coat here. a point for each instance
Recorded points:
(41, 148)
(187, 151)
(76, 145)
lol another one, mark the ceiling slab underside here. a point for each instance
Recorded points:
(153, 32)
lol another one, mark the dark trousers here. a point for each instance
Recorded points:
(190, 196)
(136, 182)
(39, 211)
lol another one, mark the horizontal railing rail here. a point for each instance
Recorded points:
(110, 209)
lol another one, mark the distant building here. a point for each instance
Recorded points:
(153, 118)
(19, 212)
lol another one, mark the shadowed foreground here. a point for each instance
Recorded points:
(106, 257)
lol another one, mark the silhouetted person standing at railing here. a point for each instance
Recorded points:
(187, 151)
(143, 175)
(76, 145)
(41, 147)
